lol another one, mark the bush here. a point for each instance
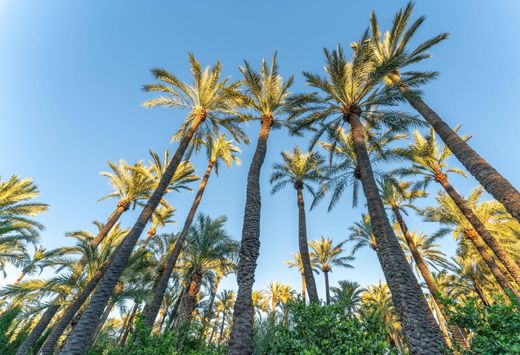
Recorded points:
(321, 329)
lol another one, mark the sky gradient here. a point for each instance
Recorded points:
(71, 74)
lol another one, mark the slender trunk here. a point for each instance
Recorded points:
(222, 326)
(304, 248)
(304, 288)
(209, 311)
(79, 340)
(241, 339)
(455, 331)
(38, 330)
(213, 329)
(494, 183)
(479, 292)
(175, 310)
(477, 224)
(442, 322)
(327, 289)
(103, 320)
(20, 278)
(491, 262)
(72, 310)
(128, 326)
(421, 332)
(189, 301)
(158, 292)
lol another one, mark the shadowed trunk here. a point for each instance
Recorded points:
(102, 321)
(158, 292)
(304, 288)
(175, 310)
(189, 301)
(491, 262)
(479, 291)
(38, 330)
(241, 339)
(304, 248)
(494, 183)
(79, 339)
(128, 325)
(421, 332)
(477, 224)
(327, 288)
(221, 333)
(455, 331)
(209, 311)
(442, 323)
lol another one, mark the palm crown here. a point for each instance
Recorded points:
(326, 255)
(362, 234)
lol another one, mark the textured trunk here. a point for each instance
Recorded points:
(158, 292)
(221, 333)
(455, 331)
(421, 332)
(304, 250)
(327, 289)
(189, 301)
(304, 288)
(102, 321)
(479, 292)
(79, 340)
(38, 329)
(477, 224)
(128, 325)
(490, 261)
(73, 309)
(494, 183)
(241, 339)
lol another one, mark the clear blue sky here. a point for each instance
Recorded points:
(71, 73)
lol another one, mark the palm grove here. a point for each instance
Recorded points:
(134, 288)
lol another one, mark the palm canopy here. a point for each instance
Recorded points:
(400, 195)
(362, 234)
(428, 159)
(348, 293)
(266, 93)
(221, 149)
(296, 262)
(299, 169)
(181, 179)
(16, 207)
(343, 170)
(208, 96)
(350, 86)
(393, 47)
(278, 294)
(43, 258)
(326, 255)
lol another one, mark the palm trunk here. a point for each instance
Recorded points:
(189, 301)
(79, 340)
(442, 322)
(209, 312)
(128, 325)
(158, 293)
(38, 330)
(421, 332)
(103, 320)
(241, 339)
(491, 262)
(476, 223)
(455, 331)
(222, 326)
(327, 288)
(304, 249)
(175, 310)
(20, 278)
(479, 292)
(494, 183)
(304, 288)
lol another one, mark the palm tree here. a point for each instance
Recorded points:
(266, 95)
(348, 293)
(41, 259)
(300, 170)
(296, 262)
(351, 92)
(224, 306)
(362, 234)
(162, 217)
(207, 99)
(221, 270)
(218, 149)
(326, 255)
(393, 48)
(449, 214)
(260, 302)
(278, 294)
(208, 246)
(429, 161)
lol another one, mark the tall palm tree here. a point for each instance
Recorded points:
(449, 214)
(393, 48)
(207, 99)
(297, 262)
(429, 161)
(348, 293)
(300, 170)
(266, 95)
(218, 149)
(208, 246)
(326, 255)
(351, 94)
